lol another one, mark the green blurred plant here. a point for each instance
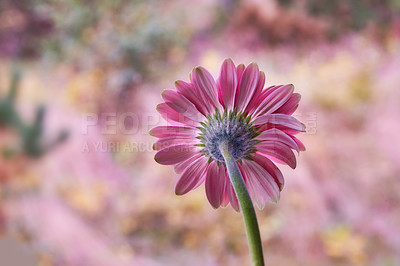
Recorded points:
(31, 134)
(8, 114)
(137, 36)
(354, 14)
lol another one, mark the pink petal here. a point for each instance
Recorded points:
(188, 91)
(173, 117)
(182, 105)
(175, 154)
(300, 144)
(206, 88)
(290, 106)
(253, 186)
(257, 92)
(280, 121)
(277, 152)
(214, 182)
(247, 86)
(275, 98)
(266, 182)
(173, 141)
(274, 134)
(224, 189)
(261, 182)
(227, 83)
(173, 131)
(263, 94)
(271, 168)
(192, 177)
(180, 167)
(240, 69)
(232, 197)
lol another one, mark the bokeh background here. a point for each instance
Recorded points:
(77, 190)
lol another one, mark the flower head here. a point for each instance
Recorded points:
(236, 109)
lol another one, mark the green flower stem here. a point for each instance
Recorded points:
(249, 214)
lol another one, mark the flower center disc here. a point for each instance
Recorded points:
(230, 127)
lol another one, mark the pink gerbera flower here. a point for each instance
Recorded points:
(235, 109)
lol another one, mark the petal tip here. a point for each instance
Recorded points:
(214, 206)
(228, 60)
(179, 191)
(198, 69)
(290, 86)
(303, 127)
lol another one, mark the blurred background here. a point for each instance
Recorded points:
(79, 82)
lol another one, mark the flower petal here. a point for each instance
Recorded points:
(182, 105)
(227, 83)
(261, 182)
(188, 91)
(274, 98)
(173, 117)
(224, 190)
(300, 144)
(175, 154)
(271, 168)
(275, 134)
(173, 141)
(240, 69)
(247, 86)
(257, 92)
(265, 180)
(173, 131)
(206, 88)
(253, 186)
(232, 197)
(180, 167)
(192, 177)
(212, 186)
(277, 152)
(280, 121)
(291, 105)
